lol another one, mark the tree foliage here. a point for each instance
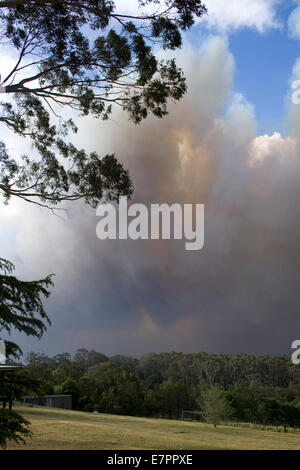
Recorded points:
(21, 306)
(79, 57)
(84, 56)
(165, 384)
(13, 427)
(108, 388)
(21, 309)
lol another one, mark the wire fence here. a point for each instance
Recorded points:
(259, 422)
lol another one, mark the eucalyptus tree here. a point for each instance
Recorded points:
(85, 56)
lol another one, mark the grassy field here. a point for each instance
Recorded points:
(59, 429)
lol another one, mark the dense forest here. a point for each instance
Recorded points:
(260, 389)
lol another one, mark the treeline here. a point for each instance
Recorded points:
(259, 389)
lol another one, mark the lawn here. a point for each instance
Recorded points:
(55, 429)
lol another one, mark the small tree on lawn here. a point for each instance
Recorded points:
(21, 309)
(83, 57)
(215, 408)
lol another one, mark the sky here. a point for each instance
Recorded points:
(232, 144)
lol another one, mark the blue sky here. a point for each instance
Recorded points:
(264, 65)
(264, 62)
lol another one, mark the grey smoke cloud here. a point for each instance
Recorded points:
(239, 294)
